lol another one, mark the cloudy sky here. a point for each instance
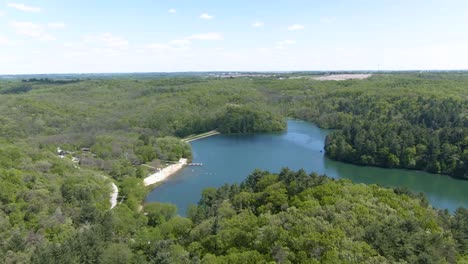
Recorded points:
(65, 36)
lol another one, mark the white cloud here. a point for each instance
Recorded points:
(3, 40)
(172, 46)
(206, 36)
(296, 27)
(25, 8)
(73, 44)
(257, 24)
(32, 30)
(283, 44)
(206, 16)
(2, 13)
(327, 20)
(288, 42)
(74, 54)
(56, 25)
(160, 47)
(105, 44)
(106, 51)
(185, 43)
(172, 11)
(180, 42)
(107, 40)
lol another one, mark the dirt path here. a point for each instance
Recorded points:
(114, 195)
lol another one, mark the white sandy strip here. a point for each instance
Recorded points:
(342, 77)
(114, 195)
(164, 173)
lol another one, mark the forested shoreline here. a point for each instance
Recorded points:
(55, 209)
(417, 132)
(290, 217)
(405, 121)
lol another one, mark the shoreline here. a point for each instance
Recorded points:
(164, 173)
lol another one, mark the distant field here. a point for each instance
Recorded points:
(342, 77)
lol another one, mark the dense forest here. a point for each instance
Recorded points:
(55, 208)
(289, 217)
(409, 130)
(240, 119)
(403, 121)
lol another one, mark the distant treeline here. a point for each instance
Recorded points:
(50, 81)
(18, 89)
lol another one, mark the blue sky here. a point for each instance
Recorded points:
(64, 36)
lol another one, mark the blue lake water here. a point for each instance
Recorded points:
(231, 158)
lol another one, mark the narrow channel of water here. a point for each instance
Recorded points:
(231, 158)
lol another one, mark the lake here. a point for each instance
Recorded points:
(231, 158)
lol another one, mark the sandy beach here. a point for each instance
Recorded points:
(342, 77)
(164, 173)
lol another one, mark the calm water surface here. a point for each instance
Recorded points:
(231, 158)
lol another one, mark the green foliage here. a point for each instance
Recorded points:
(400, 144)
(409, 120)
(324, 221)
(133, 191)
(242, 119)
(159, 213)
(55, 211)
(173, 149)
(116, 254)
(44, 199)
(414, 121)
(16, 89)
(394, 121)
(460, 229)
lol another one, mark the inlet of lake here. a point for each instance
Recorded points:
(231, 158)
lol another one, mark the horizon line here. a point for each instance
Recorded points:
(234, 71)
